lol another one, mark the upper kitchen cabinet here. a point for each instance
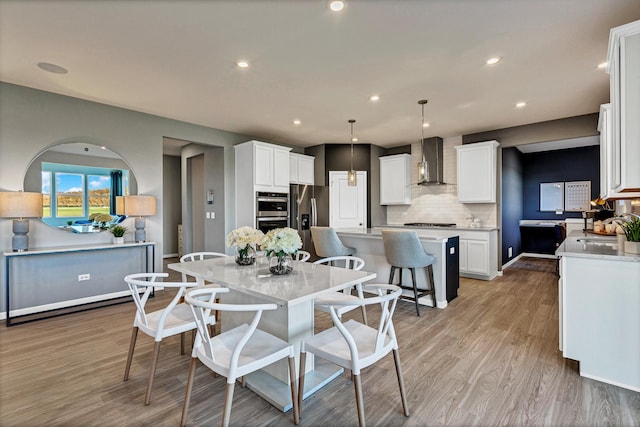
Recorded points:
(606, 147)
(267, 163)
(301, 169)
(477, 170)
(624, 69)
(395, 180)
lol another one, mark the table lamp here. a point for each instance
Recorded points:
(20, 205)
(139, 206)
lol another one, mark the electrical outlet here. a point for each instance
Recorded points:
(83, 277)
(510, 251)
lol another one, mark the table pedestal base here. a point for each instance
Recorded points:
(278, 393)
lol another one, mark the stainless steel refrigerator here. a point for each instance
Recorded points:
(308, 206)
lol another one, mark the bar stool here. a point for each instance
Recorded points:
(404, 250)
(328, 244)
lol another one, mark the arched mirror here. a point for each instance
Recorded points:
(80, 183)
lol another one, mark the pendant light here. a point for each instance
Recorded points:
(352, 179)
(423, 166)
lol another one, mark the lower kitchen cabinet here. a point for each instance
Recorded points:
(479, 254)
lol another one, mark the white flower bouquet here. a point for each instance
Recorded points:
(244, 239)
(281, 242)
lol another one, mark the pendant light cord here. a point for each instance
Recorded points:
(422, 102)
(352, 122)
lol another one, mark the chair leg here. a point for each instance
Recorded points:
(403, 392)
(294, 397)
(393, 270)
(228, 400)
(415, 289)
(303, 361)
(432, 283)
(359, 402)
(187, 393)
(132, 346)
(152, 371)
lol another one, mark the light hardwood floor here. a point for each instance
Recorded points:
(490, 358)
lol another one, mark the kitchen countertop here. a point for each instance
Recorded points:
(457, 227)
(440, 234)
(587, 245)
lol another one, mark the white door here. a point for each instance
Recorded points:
(347, 205)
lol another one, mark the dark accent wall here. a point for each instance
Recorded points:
(574, 164)
(172, 206)
(512, 202)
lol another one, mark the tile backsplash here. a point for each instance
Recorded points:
(439, 203)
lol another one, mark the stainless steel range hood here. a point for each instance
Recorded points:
(432, 154)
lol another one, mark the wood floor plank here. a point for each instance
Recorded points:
(490, 358)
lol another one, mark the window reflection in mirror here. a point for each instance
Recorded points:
(80, 183)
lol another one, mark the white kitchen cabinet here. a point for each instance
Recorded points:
(477, 171)
(624, 69)
(395, 180)
(267, 165)
(478, 254)
(606, 157)
(301, 169)
(259, 166)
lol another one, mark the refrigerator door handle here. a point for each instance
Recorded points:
(314, 213)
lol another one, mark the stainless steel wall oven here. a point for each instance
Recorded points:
(272, 210)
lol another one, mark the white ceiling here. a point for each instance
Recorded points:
(176, 59)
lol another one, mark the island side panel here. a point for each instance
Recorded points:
(370, 248)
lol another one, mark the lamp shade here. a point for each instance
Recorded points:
(20, 204)
(139, 205)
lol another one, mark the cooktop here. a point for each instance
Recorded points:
(428, 224)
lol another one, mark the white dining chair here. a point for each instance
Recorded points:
(303, 256)
(198, 256)
(236, 352)
(174, 319)
(353, 263)
(353, 345)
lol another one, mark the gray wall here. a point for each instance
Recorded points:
(34, 120)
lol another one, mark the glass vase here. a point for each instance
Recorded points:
(246, 256)
(281, 264)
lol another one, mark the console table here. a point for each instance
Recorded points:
(42, 280)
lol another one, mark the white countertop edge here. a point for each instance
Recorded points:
(457, 227)
(376, 234)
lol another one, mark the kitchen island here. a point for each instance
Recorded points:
(599, 308)
(442, 244)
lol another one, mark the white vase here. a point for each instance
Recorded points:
(632, 247)
(118, 240)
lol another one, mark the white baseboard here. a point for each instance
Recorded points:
(170, 255)
(511, 261)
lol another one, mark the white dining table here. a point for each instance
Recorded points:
(292, 321)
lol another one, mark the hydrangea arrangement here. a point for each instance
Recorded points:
(281, 242)
(244, 238)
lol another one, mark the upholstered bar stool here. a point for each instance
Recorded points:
(404, 250)
(328, 244)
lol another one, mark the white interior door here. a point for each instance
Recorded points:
(347, 205)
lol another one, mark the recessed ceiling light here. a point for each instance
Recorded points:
(336, 5)
(52, 68)
(521, 104)
(103, 147)
(603, 65)
(297, 122)
(426, 124)
(493, 61)
(374, 98)
(354, 139)
(242, 63)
